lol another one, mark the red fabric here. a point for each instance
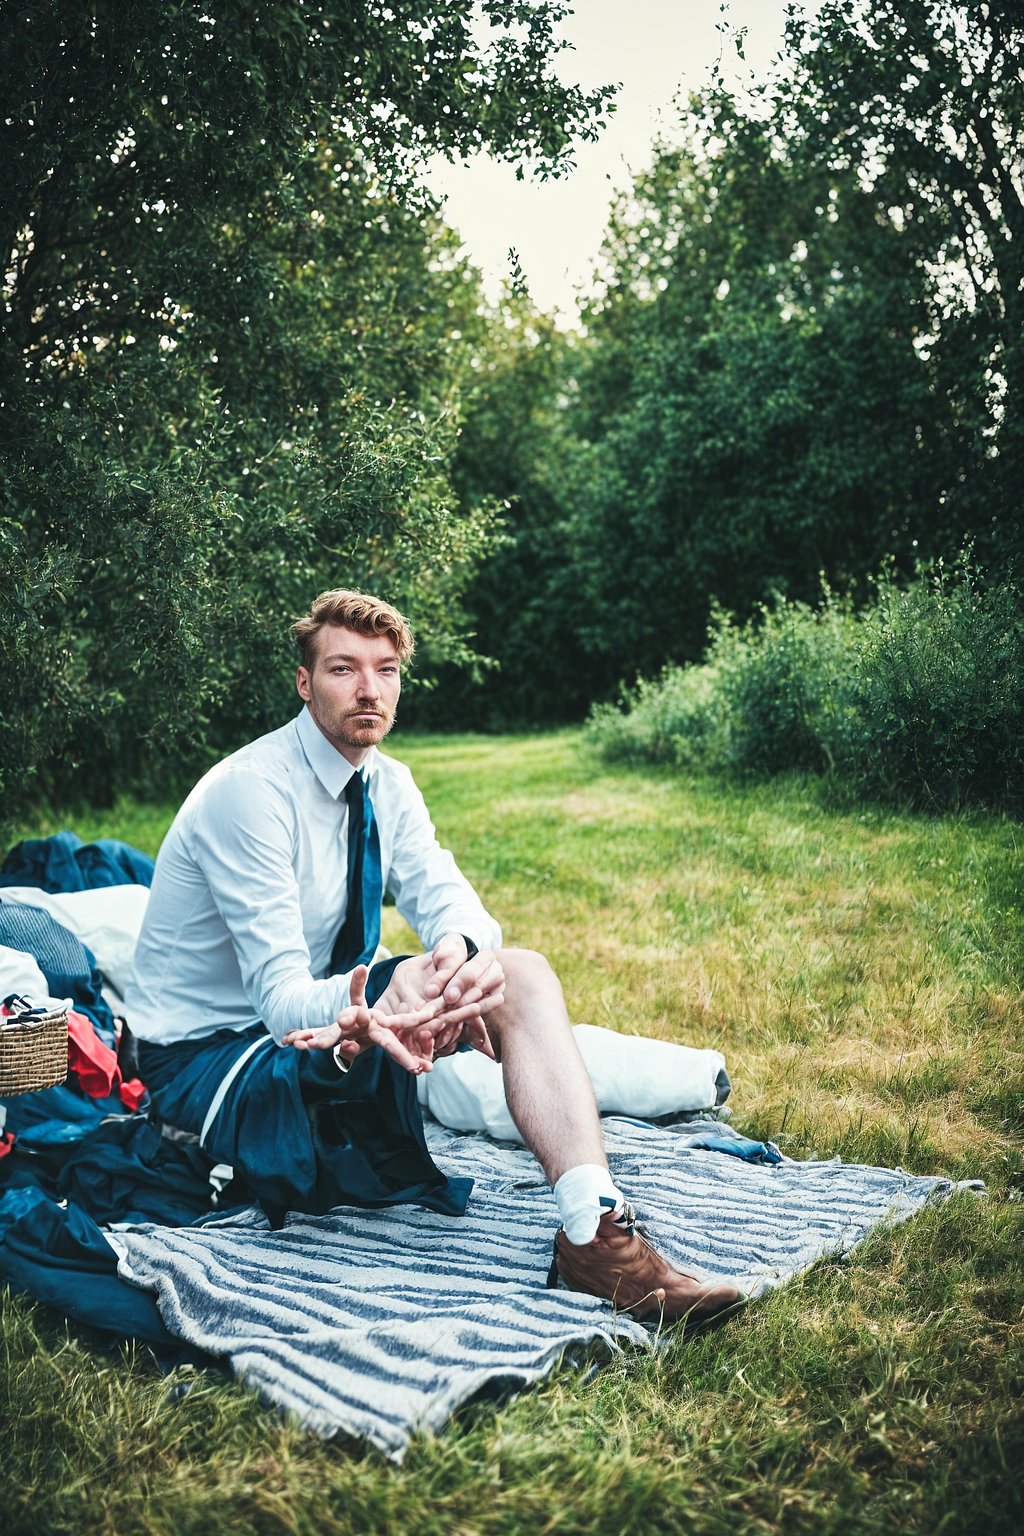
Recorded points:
(6, 1143)
(95, 1065)
(92, 1062)
(133, 1092)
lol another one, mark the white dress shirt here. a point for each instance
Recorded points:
(250, 890)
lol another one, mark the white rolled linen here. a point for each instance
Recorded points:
(631, 1074)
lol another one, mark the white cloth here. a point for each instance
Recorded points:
(107, 920)
(249, 890)
(20, 974)
(631, 1076)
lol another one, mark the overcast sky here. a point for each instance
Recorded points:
(655, 48)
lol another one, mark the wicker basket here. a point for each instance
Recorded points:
(33, 1051)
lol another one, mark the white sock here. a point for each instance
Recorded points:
(584, 1194)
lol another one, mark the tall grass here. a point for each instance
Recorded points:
(917, 699)
(862, 970)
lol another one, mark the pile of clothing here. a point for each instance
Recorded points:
(83, 1156)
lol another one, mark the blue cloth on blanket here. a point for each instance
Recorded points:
(69, 967)
(125, 1170)
(737, 1146)
(65, 1103)
(304, 1136)
(64, 863)
(58, 1255)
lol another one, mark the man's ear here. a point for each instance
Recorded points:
(302, 683)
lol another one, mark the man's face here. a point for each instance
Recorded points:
(352, 689)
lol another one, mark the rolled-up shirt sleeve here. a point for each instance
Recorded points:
(430, 891)
(243, 839)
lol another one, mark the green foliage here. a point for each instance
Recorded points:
(234, 335)
(939, 692)
(783, 683)
(802, 356)
(675, 718)
(918, 698)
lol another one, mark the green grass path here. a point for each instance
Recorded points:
(862, 971)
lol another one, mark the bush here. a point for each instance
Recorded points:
(940, 692)
(917, 699)
(674, 719)
(783, 683)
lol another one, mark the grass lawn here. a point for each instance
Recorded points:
(863, 974)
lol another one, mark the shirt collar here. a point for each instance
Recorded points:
(330, 766)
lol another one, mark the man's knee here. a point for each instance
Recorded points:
(526, 971)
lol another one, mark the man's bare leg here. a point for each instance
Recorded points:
(552, 1102)
(549, 1093)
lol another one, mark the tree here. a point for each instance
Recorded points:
(745, 410)
(233, 333)
(753, 410)
(924, 105)
(806, 351)
(522, 599)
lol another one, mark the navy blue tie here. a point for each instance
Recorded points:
(359, 934)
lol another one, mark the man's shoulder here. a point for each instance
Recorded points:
(392, 771)
(278, 749)
(266, 764)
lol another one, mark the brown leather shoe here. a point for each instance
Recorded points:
(622, 1266)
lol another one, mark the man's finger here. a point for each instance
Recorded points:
(480, 1040)
(396, 1048)
(482, 974)
(311, 1039)
(468, 1010)
(449, 956)
(357, 986)
(351, 1020)
(485, 998)
(447, 1039)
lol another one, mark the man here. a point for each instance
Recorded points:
(263, 1028)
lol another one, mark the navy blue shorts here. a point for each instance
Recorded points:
(302, 1135)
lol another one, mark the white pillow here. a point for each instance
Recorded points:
(106, 919)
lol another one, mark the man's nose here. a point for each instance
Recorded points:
(369, 688)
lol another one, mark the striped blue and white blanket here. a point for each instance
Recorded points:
(379, 1324)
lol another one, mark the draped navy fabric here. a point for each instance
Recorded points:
(359, 934)
(125, 1170)
(59, 1255)
(303, 1136)
(64, 863)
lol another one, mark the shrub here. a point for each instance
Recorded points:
(940, 692)
(918, 699)
(783, 684)
(674, 719)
